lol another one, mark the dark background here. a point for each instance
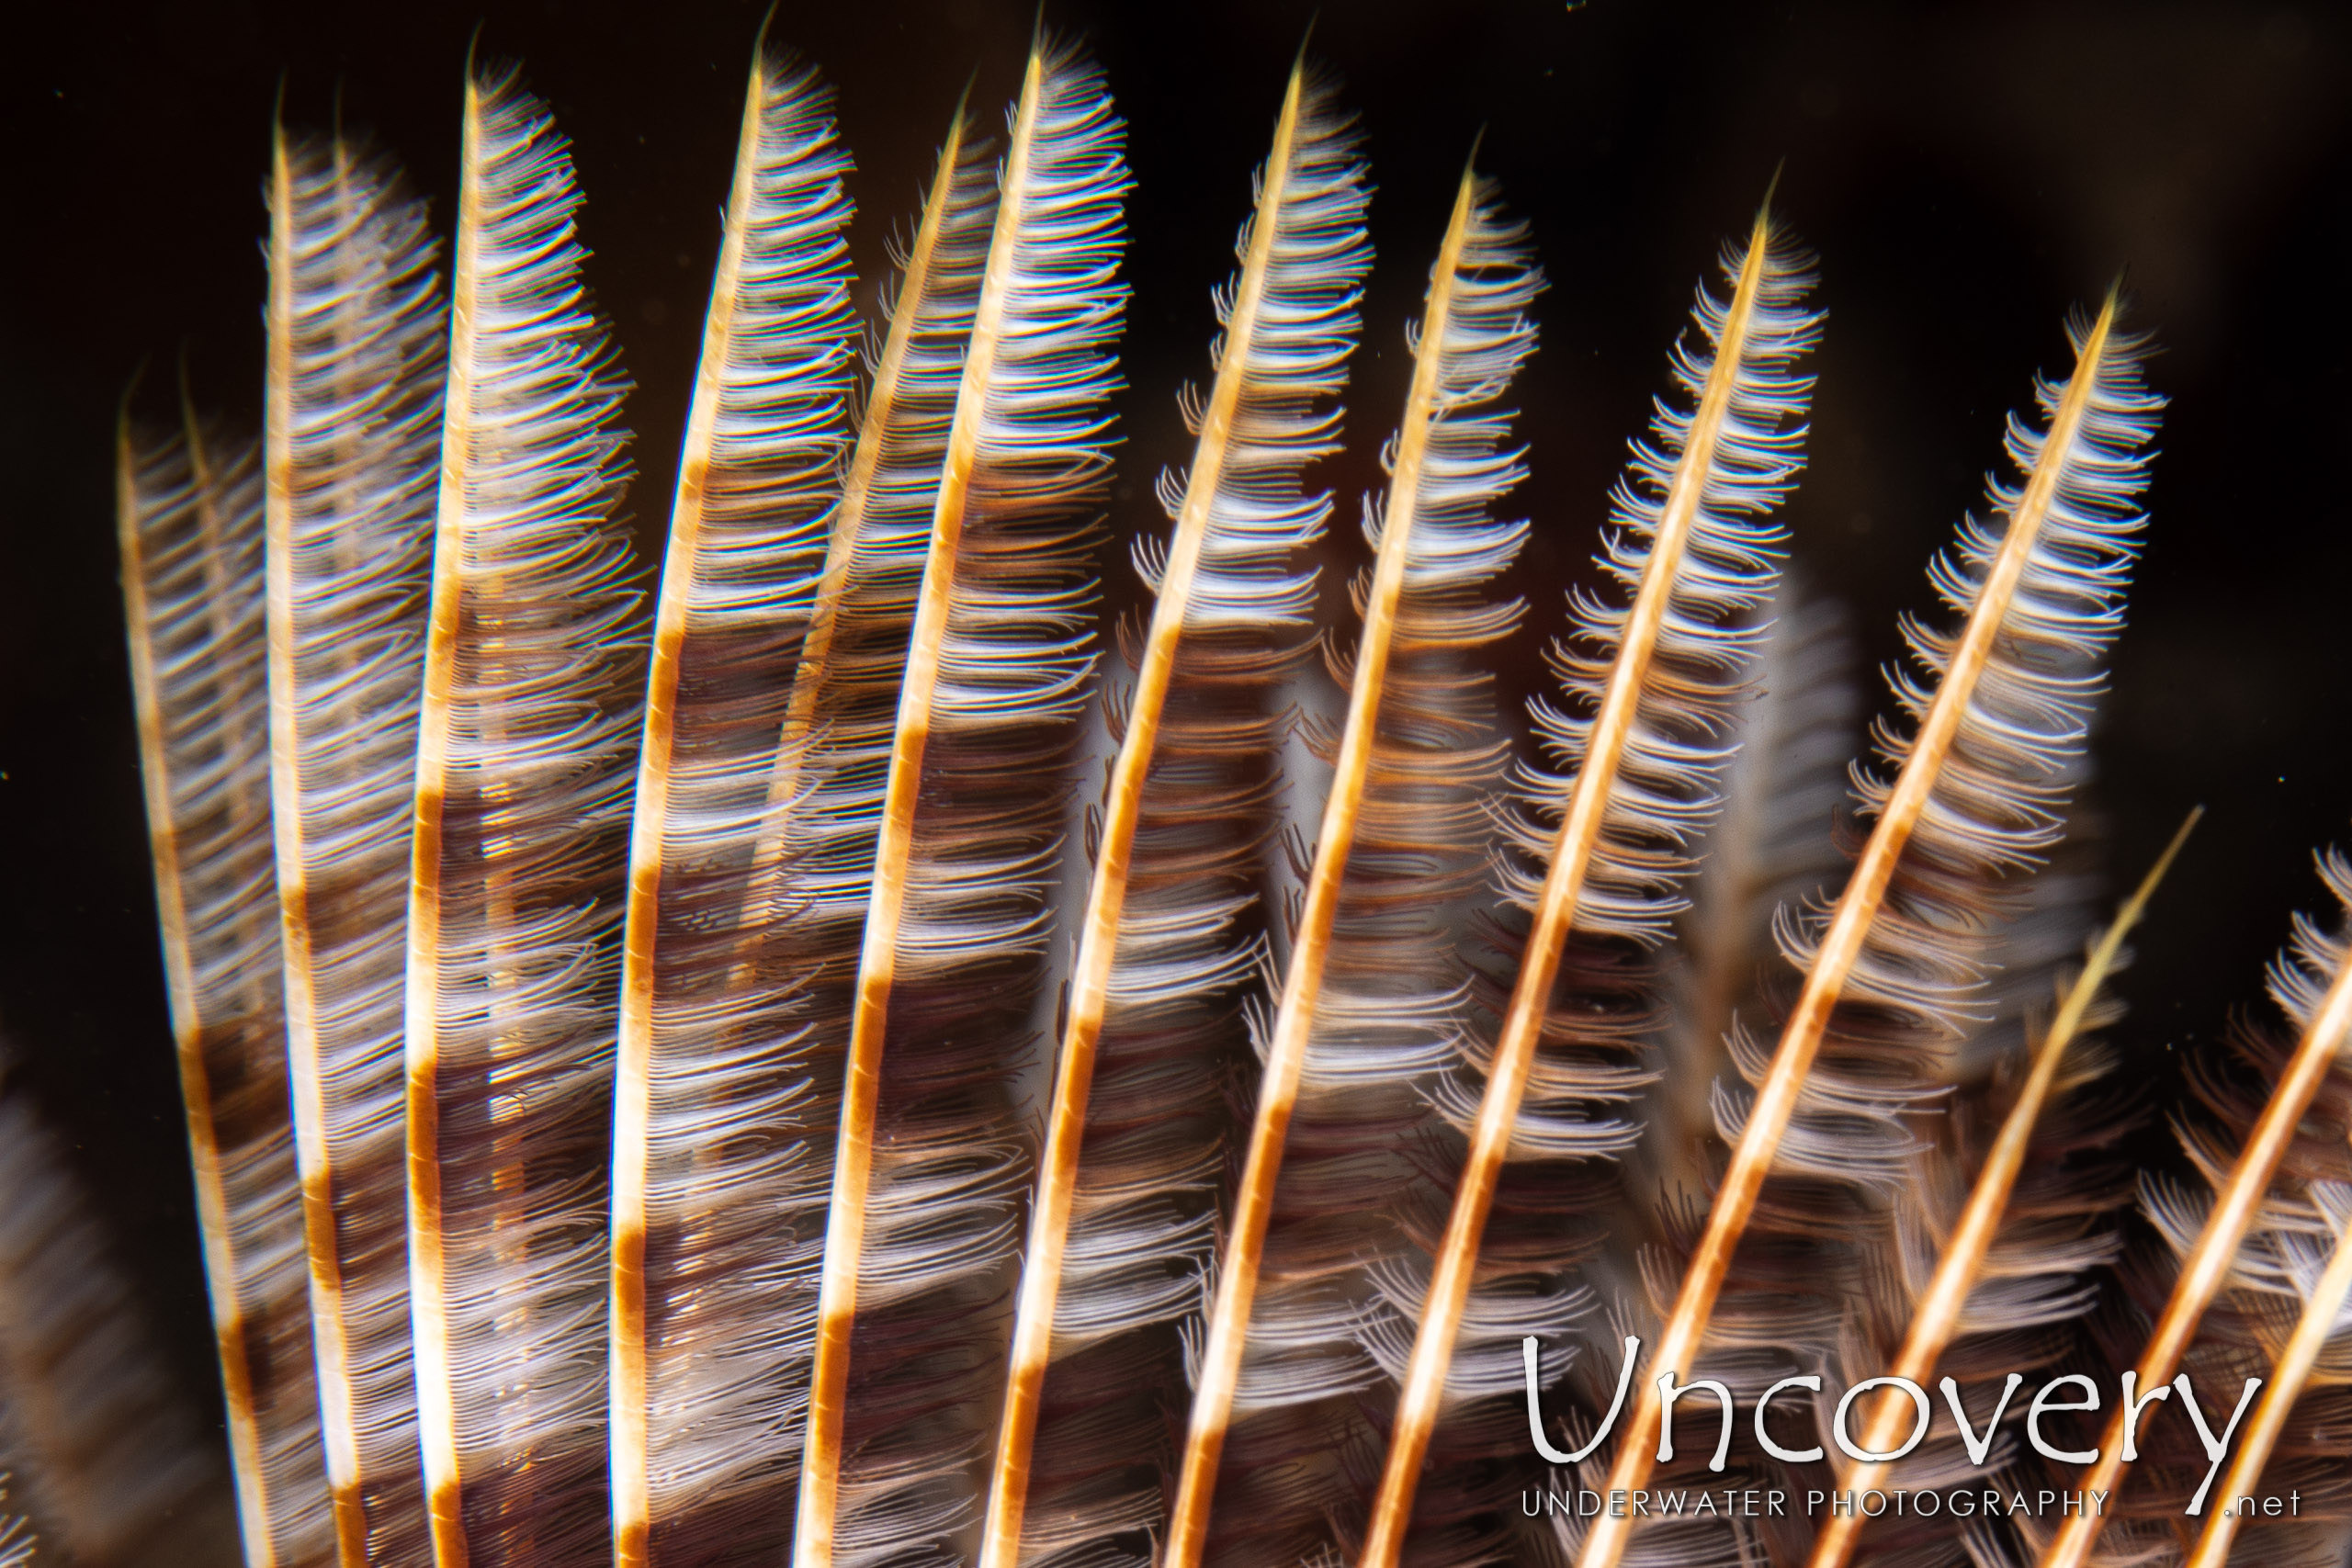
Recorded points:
(1968, 174)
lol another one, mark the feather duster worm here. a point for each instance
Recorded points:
(104, 1456)
(1601, 848)
(2255, 1173)
(717, 1162)
(931, 1151)
(354, 412)
(1369, 997)
(1126, 1195)
(1995, 1272)
(2003, 711)
(190, 516)
(522, 782)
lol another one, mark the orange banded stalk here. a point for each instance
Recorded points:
(2322, 1321)
(994, 666)
(1936, 1318)
(713, 1055)
(189, 530)
(2318, 996)
(533, 663)
(837, 1300)
(811, 868)
(326, 1284)
(1219, 1368)
(2079, 479)
(1226, 582)
(1732, 454)
(354, 368)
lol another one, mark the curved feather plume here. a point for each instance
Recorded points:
(190, 518)
(1783, 835)
(1367, 1007)
(2305, 1263)
(1777, 842)
(2002, 713)
(1603, 846)
(2311, 983)
(718, 1139)
(355, 342)
(1841, 1241)
(109, 1459)
(800, 900)
(801, 894)
(522, 786)
(920, 1233)
(825, 797)
(1125, 1200)
(1997, 1274)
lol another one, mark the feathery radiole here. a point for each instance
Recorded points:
(801, 898)
(2322, 1332)
(710, 1185)
(1119, 1221)
(190, 534)
(996, 663)
(816, 855)
(531, 671)
(1434, 543)
(841, 715)
(95, 1442)
(354, 412)
(2312, 984)
(1698, 555)
(809, 874)
(1776, 842)
(1937, 1315)
(2008, 709)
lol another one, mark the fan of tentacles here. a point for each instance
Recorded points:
(833, 1054)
